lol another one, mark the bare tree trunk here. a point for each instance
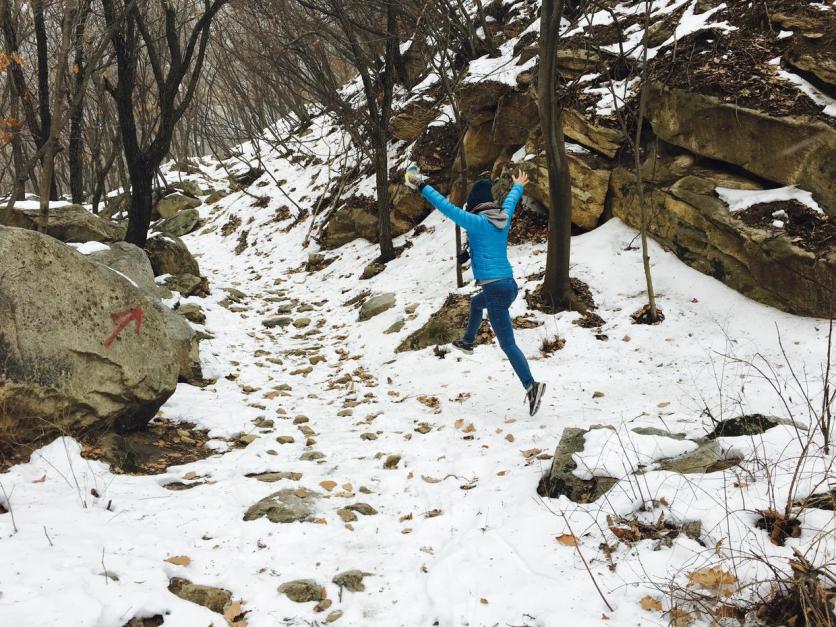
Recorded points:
(651, 294)
(557, 290)
(47, 184)
(43, 90)
(17, 144)
(142, 182)
(75, 154)
(384, 223)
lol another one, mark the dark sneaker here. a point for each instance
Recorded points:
(465, 347)
(534, 395)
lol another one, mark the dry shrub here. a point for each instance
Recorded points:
(550, 346)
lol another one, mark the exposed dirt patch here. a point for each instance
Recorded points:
(582, 292)
(808, 229)
(643, 316)
(551, 345)
(151, 451)
(528, 226)
(231, 226)
(823, 500)
(734, 67)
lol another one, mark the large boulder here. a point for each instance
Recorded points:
(132, 262)
(376, 305)
(169, 255)
(68, 223)
(63, 366)
(357, 218)
(814, 56)
(590, 176)
(478, 101)
(793, 150)
(172, 204)
(516, 115)
(479, 146)
(561, 479)
(410, 122)
(601, 139)
(180, 224)
(435, 149)
(688, 218)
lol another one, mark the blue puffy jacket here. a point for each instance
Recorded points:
(488, 244)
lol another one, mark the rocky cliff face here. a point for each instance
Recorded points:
(745, 98)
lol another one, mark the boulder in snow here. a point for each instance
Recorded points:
(68, 223)
(73, 354)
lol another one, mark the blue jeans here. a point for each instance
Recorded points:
(497, 297)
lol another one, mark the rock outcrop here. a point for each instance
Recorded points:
(169, 206)
(590, 178)
(180, 224)
(786, 149)
(689, 219)
(169, 255)
(130, 261)
(68, 223)
(73, 356)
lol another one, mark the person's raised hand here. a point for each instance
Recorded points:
(521, 178)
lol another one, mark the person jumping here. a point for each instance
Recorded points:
(487, 225)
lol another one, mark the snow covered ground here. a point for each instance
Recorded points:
(460, 536)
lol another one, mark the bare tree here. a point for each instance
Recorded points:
(557, 290)
(174, 47)
(364, 35)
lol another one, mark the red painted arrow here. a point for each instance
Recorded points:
(122, 321)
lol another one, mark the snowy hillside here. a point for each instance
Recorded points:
(457, 533)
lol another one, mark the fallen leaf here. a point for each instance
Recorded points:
(406, 517)
(179, 560)
(234, 614)
(663, 404)
(651, 604)
(470, 428)
(532, 452)
(433, 513)
(712, 578)
(41, 480)
(328, 485)
(509, 437)
(430, 479)
(567, 539)
(430, 401)
(458, 423)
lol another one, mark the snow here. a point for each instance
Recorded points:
(619, 453)
(740, 199)
(494, 541)
(88, 248)
(812, 92)
(502, 69)
(31, 205)
(79, 560)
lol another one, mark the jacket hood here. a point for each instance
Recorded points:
(495, 214)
